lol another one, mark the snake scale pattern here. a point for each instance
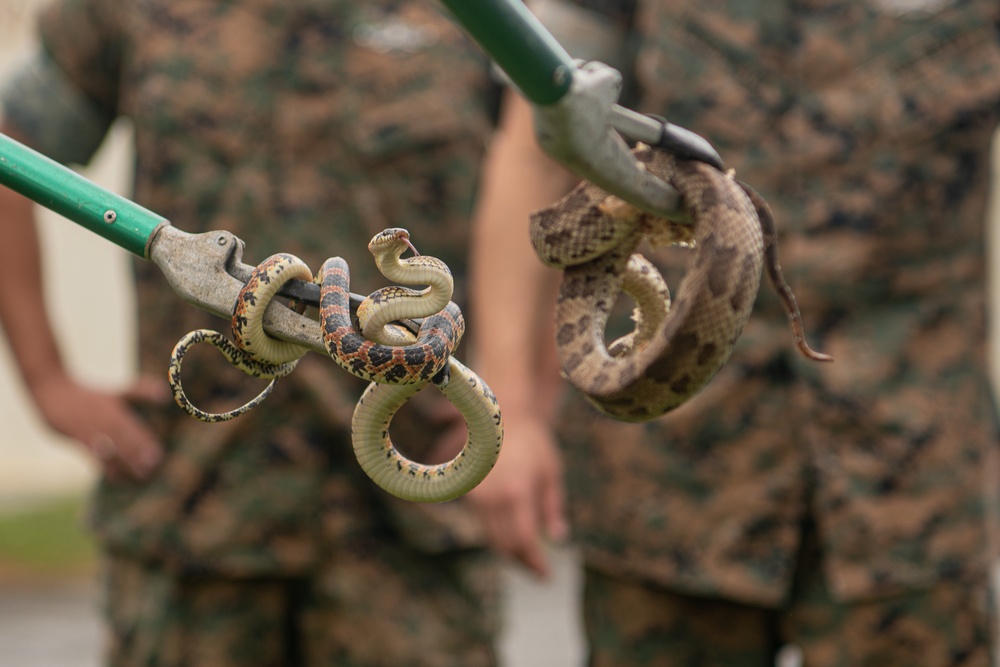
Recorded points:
(397, 363)
(678, 346)
(373, 447)
(255, 353)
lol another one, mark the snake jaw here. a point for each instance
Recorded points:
(390, 241)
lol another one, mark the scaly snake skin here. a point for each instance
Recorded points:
(373, 447)
(397, 362)
(676, 347)
(255, 353)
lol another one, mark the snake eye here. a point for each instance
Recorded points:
(387, 238)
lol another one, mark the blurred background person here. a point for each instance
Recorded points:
(300, 127)
(848, 509)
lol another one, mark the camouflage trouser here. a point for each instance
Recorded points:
(632, 623)
(377, 608)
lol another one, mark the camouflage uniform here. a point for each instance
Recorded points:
(866, 125)
(303, 127)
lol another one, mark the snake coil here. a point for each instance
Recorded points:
(676, 347)
(397, 363)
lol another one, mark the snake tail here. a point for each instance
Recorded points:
(237, 358)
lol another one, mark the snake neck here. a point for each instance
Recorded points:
(421, 270)
(394, 303)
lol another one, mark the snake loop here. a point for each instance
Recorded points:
(255, 353)
(415, 362)
(373, 447)
(410, 480)
(394, 303)
(676, 348)
(396, 362)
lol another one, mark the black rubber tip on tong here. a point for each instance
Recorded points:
(686, 144)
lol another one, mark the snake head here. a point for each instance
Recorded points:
(391, 242)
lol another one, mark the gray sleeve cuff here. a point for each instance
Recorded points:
(51, 113)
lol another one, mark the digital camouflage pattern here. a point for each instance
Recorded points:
(303, 127)
(866, 126)
(353, 612)
(631, 623)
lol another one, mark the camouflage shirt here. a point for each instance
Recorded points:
(303, 127)
(866, 125)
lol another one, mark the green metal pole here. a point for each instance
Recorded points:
(519, 44)
(505, 29)
(46, 182)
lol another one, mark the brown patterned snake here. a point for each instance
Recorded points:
(675, 348)
(397, 362)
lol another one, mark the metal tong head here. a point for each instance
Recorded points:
(676, 139)
(207, 271)
(585, 131)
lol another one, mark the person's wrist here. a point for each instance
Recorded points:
(44, 375)
(47, 386)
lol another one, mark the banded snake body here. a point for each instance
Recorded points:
(397, 363)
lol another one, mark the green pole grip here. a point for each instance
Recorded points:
(46, 182)
(522, 47)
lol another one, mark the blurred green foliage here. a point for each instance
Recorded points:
(48, 539)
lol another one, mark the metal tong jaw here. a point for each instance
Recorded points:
(207, 271)
(584, 131)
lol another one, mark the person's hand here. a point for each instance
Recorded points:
(521, 502)
(104, 423)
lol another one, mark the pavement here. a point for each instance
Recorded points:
(59, 625)
(44, 626)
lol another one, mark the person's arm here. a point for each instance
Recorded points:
(102, 423)
(521, 501)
